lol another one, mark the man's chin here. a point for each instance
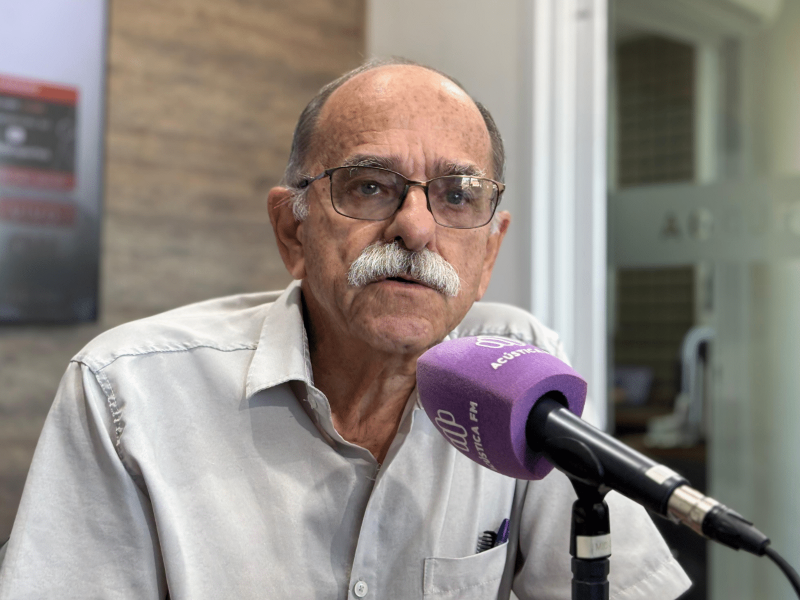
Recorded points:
(402, 335)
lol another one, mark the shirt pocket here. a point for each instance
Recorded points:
(475, 577)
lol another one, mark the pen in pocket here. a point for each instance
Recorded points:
(490, 539)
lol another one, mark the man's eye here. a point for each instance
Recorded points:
(459, 197)
(454, 197)
(369, 188)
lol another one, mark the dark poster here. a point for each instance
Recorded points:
(48, 241)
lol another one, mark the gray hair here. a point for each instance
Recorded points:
(302, 143)
(380, 260)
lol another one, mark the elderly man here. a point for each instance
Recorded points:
(272, 445)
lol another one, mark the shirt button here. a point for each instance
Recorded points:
(360, 589)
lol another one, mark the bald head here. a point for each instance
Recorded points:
(407, 98)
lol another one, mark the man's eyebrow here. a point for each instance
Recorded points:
(368, 160)
(457, 168)
(441, 168)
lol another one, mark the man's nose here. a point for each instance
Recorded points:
(413, 223)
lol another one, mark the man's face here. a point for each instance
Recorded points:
(423, 126)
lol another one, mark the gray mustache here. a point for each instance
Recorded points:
(381, 260)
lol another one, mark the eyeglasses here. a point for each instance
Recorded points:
(375, 194)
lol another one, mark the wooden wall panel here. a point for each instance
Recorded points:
(203, 96)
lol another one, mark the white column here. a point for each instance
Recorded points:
(568, 176)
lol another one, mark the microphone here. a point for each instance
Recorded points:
(515, 408)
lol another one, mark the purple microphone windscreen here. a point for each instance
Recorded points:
(478, 391)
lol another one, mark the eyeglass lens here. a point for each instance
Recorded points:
(375, 194)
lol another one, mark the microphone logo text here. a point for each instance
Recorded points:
(458, 435)
(488, 341)
(511, 355)
(454, 432)
(496, 342)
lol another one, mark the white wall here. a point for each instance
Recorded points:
(774, 65)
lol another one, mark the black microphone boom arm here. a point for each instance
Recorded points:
(593, 457)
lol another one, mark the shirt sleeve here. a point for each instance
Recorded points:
(84, 529)
(641, 565)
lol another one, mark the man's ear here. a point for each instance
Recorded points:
(492, 248)
(287, 231)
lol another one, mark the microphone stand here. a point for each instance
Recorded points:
(590, 542)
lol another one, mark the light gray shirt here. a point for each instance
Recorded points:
(191, 452)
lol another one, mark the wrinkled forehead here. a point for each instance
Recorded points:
(384, 103)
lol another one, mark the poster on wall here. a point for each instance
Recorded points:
(52, 63)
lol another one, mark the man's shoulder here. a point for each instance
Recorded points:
(495, 318)
(227, 324)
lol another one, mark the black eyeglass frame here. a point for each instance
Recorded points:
(409, 183)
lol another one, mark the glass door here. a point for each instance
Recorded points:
(704, 251)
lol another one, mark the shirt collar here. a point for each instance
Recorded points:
(282, 354)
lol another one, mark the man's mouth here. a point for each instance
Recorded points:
(406, 280)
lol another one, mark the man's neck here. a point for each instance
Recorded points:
(367, 394)
(367, 390)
